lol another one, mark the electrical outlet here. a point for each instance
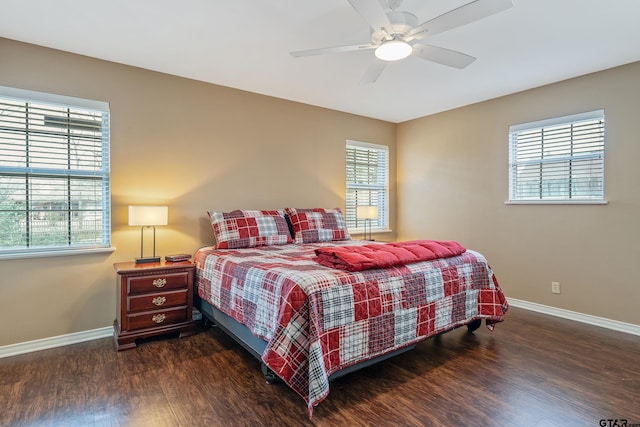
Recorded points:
(555, 287)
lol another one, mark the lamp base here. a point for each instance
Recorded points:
(147, 260)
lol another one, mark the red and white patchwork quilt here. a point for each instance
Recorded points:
(317, 320)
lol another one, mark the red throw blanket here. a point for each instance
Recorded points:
(357, 258)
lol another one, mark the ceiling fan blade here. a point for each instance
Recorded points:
(462, 15)
(373, 13)
(443, 56)
(373, 72)
(337, 49)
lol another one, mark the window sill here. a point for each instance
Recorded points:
(374, 231)
(556, 202)
(62, 252)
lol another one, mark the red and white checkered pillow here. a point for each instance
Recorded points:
(249, 228)
(318, 225)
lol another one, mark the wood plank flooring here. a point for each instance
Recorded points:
(532, 371)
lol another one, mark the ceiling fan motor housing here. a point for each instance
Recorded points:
(402, 23)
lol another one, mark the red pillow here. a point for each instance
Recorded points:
(318, 225)
(249, 228)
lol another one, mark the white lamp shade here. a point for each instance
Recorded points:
(393, 50)
(367, 212)
(148, 215)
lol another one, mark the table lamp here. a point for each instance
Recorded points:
(367, 213)
(148, 217)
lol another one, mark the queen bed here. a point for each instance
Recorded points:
(267, 284)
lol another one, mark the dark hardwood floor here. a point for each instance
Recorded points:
(533, 370)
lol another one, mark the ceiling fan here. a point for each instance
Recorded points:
(396, 34)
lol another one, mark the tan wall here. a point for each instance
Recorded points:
(186, 144)
(453, 182)
(195, 146)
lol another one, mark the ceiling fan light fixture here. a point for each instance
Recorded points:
(393, 50)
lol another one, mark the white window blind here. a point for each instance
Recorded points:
(558, 160)
(54, 173)
(367, 184)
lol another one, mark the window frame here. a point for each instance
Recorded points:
(382, 186)
(542, 126)
(63, 176)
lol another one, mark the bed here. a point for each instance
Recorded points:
(309, 323)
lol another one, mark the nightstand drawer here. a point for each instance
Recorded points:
(157, 301)
(152, 319)
(157, 282)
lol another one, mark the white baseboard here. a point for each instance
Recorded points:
(59, 341)
(94, 334)
(603, 322)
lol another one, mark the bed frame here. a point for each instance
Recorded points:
(256, 346)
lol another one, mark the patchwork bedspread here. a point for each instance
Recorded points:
(318, 320)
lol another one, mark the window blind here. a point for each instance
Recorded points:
(367, 183)
(54, 173)
(560, 159)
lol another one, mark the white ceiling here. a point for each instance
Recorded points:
(245, 44)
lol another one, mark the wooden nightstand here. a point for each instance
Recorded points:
(153, 299)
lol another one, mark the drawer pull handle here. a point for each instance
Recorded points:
(158, 318)
(159, 301)
(159, 283)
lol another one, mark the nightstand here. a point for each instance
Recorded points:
(153, 299)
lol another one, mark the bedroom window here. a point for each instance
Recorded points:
(367, 184)
(559, 160)
(54, 174)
